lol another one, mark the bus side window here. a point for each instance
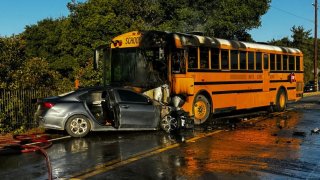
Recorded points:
(266, 61)
(298, 65)
(243, 60)
(285, 62)
(272, 62)
(193, 58)
(204, 58)
(215, 58)
(251, 60)
(258, 60)
(291, 63)
(178, 62)
(279, 59)
(224, 59)
(235, 59)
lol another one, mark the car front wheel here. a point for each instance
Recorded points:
(169, 124)
(78, 126)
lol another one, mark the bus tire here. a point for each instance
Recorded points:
(201, 109)
(281, 101)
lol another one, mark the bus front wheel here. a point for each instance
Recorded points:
(281, 101)
(201, 109)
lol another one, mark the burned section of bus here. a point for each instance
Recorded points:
(162, 43)
(144, 65)
(141, 63)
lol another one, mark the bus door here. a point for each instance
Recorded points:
(266, 73)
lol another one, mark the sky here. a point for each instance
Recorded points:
(276, 23)
(282, 16)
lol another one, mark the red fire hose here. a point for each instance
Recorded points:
(25, 144)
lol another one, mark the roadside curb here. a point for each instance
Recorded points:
(311, 94)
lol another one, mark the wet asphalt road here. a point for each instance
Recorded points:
(264, 147)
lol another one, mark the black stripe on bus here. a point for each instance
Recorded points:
(224, 71)
(278, 81)
(239, 71)
(272, 89)
(274, 71)
(226, 109)
(291, 88)
(237, 91)
(226, 82)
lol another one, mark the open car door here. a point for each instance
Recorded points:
(134, 110)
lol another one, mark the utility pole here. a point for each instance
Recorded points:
(315, 61)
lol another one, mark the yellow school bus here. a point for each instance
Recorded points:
(203, 75)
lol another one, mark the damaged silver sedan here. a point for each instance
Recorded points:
(108, 109)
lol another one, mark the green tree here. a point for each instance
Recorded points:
(97, 21)
(300, 39)
(303, 41)
(35, 73)
(67, 43)
(12, 55)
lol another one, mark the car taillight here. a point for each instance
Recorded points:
(48, 105)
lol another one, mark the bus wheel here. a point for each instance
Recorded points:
(281, 101)
(201, 109)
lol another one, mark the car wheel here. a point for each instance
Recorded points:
(281, 101)
(169, 124)
(78, 126)
(201, 109)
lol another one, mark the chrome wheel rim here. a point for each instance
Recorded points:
(169, 123)
(78, 126)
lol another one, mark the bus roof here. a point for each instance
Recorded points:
(181, 40)
(196, 40)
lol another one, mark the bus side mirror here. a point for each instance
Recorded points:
(96, 59)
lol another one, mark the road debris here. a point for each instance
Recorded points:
(315, 131)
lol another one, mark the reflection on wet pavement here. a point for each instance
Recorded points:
(251, 149)
(264, 150)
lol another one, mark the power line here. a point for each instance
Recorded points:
(292, 14)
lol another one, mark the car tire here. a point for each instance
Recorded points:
(201, 109)
(78, 126)
(169, 124)
(281, 101)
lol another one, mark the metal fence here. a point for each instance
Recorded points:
(17, 107)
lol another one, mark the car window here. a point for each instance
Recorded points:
(92, 96)
(129, 96)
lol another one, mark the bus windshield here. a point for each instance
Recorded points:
(144, 68)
